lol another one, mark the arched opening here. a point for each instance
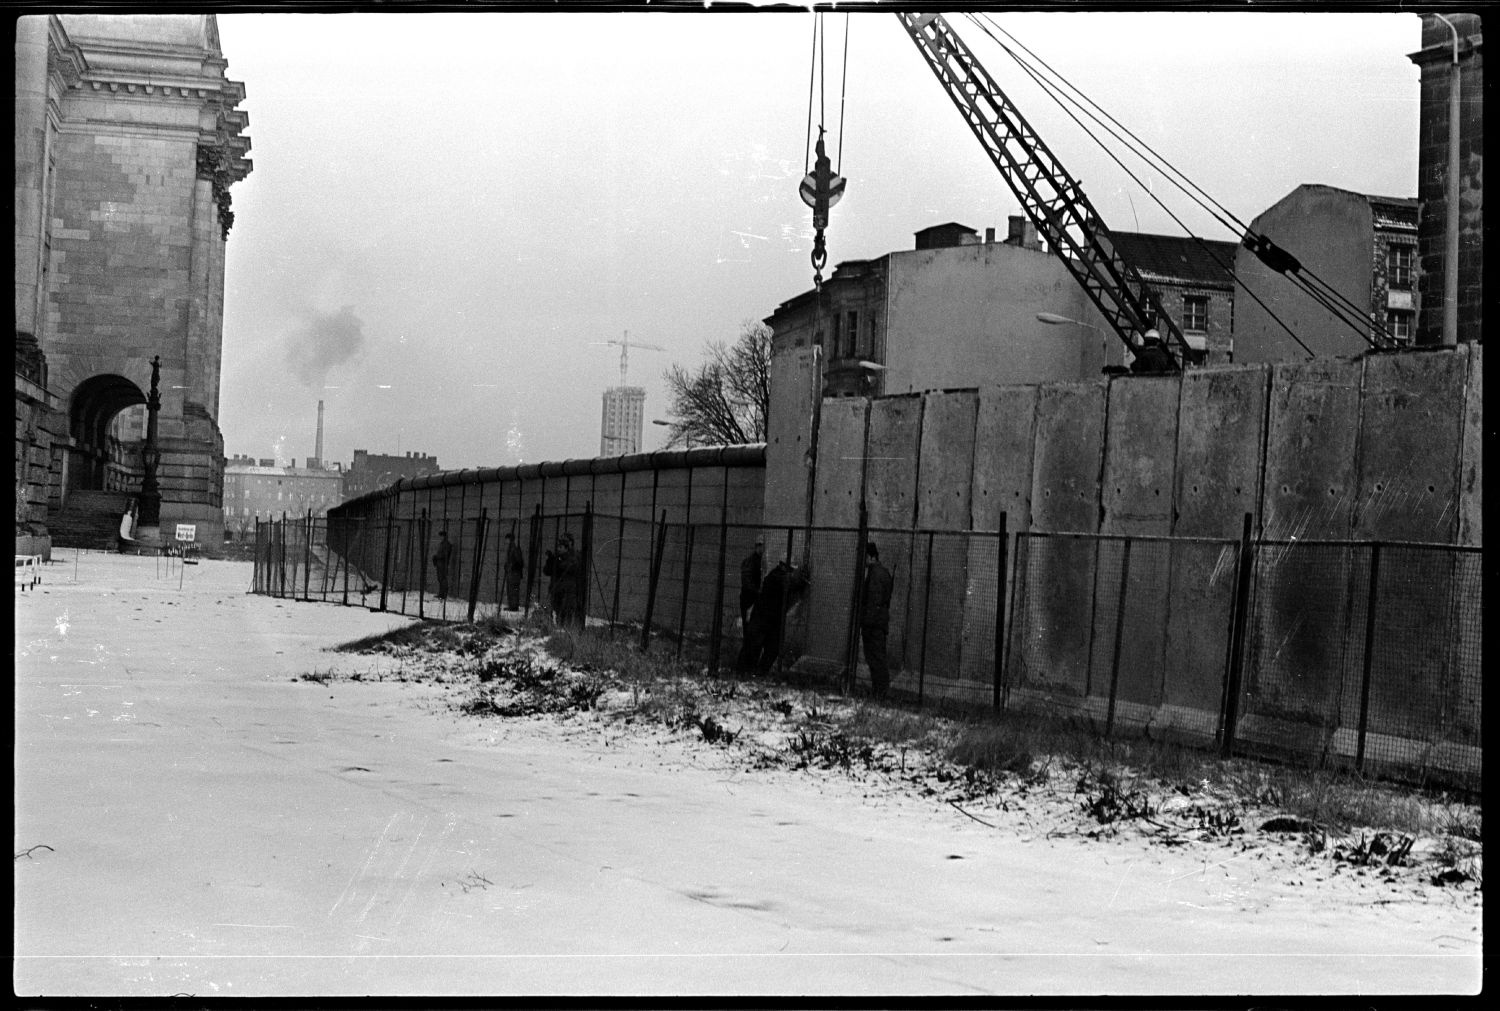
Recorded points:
(104, 456)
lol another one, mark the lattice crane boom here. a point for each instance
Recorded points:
(1051, 198)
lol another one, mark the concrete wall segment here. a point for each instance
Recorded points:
(946, 455)
(1220, 449)
(1140, 450)
(1004, 436)
(1312, 443)
(1068, 456)
(1411, 432)
(840, 474)
(1471, 467)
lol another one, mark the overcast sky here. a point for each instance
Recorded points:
(448, 210)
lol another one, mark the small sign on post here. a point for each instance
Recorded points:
(187, 535)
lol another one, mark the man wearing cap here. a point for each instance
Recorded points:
(1152, 357)
(751, 570)
(565, 589)
(875, 619)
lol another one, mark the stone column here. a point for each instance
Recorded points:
(31, 163)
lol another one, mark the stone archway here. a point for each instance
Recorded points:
(98, 461)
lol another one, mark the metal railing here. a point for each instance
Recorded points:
(1364, 655)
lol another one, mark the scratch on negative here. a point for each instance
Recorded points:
(370, 857)
(1125, 874)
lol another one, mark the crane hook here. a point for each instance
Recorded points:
(821, 189)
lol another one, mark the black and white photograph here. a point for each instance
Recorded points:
(712, 501)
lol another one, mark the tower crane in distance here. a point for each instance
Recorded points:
(625, 345)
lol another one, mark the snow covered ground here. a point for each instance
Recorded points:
(190, 817)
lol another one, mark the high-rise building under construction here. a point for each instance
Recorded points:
(624, 415)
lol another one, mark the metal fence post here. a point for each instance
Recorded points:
(1000, 606)
(687, 582)
(856, 601)
(661, 547)
(481, 526)
(385, 574)
(1114, 663)
(1371, 602)
(534, 543)
(1241, 620)
(716, 633)
(425, 535)
(307, 558)
(586, 563)
(926, 620)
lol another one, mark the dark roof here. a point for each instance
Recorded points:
(1178, 258)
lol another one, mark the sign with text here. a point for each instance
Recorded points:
(187, 531)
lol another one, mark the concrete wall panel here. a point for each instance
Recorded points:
(1003, 439)
(1067, 457)
(943, 503)
(1065, 497)
(1136, 495)
(1471, 470)
(1412, 419)
(1311, 446)
(793, 379)
(891, 467)
(1220, 439)
(1140, 455)
(841, 461)
(833, 554)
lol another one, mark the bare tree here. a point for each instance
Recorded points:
(725, 402)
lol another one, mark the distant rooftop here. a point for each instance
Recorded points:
(1178, 258)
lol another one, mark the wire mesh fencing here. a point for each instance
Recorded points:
(1331, 654)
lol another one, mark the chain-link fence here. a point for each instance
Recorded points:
(1343, 654)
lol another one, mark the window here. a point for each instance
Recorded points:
(1399, 266)
(1195, 313)
(1399, 323)
(851, 335)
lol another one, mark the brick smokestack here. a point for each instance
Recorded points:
(318, 448)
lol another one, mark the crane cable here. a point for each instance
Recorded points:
(1054, 94)
(1334, 302)
(822, 186)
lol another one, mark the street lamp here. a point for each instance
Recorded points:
(1054, 319)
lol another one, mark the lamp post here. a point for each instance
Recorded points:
(149, 514)
(1053, 319)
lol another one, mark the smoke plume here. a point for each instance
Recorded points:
(326, 341)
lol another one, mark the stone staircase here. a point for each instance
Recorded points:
(90, 520)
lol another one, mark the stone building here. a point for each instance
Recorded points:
(1363, 247)
(128, 139)
(1449, 55)
(373, 471)
(258, 490)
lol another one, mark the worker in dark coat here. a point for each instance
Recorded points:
(442, 561)
(515, 568)
(566, 587)
(875, 619)
(780, 589)
(751, 571)
(1152, 358)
